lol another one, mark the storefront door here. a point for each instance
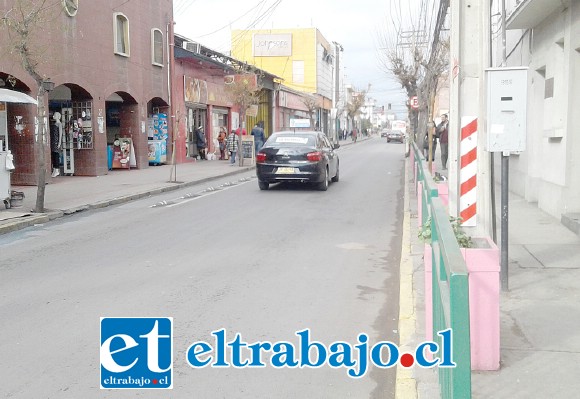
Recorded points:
(195, 117)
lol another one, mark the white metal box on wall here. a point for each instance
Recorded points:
(507, 93)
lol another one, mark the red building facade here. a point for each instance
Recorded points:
(110, 65)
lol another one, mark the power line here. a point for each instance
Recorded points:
(181, 3)
(266, 13)
(235, 20)
(188, 6)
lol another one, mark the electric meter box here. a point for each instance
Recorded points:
(507, 97)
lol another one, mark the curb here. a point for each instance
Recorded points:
(405, 384)
(53, 214)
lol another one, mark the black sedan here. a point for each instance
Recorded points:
(297, 157)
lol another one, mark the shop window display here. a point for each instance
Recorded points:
(80, 126)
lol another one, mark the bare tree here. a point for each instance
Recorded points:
(356, 102)
(312, 103)
(24, 22)
(417, 55)
(244, 91)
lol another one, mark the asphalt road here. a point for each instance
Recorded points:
(264, 264)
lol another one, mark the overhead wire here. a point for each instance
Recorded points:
(179, 7)
(266, 14)
(235, 20)
(187, 7)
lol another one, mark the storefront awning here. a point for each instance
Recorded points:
(11, 96)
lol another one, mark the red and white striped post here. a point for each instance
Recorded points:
(468, 171)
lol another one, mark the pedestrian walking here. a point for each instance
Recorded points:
(426, 146)
(258, 133)
(443, 133)
(232, 147)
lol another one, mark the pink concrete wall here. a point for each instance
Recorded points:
(484, 319)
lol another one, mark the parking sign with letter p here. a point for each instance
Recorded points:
(136, 353)
(414, 102)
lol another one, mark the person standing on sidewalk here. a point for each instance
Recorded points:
(443, 133)
(201, 142)
(222, 136)
(232, 147)
(55, 143)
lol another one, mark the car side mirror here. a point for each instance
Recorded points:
(336, 146)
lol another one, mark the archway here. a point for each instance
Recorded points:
(72, 130)
(158, 131)
(128, 146)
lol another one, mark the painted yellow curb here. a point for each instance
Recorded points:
(405, 384)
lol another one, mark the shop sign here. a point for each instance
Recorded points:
(195, 90)
(299, 122)
(273, 45)
(282, 99)
(217, 95)
(122, 151)
(252, 111)
(250, 80)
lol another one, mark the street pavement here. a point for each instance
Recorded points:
(540, 314)
(66, 195)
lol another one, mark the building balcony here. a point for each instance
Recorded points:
(530, 13)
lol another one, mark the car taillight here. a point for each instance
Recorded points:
(314, 156)
(260, 157)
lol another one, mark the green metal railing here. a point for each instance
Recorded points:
(450, 294)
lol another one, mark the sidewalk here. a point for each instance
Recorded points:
(65, 195)
(540, 314)
(69, 194)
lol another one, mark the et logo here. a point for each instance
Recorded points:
(136, 353)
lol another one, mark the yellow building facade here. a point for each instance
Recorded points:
(291, 54)
(302, 58)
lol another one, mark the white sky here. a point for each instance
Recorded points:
(356, 25)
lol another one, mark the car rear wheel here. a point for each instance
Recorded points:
(336, 177)
(263, 185)
(323, 185)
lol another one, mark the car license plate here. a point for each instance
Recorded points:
(285, 171)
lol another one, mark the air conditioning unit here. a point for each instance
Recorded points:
(192, 46)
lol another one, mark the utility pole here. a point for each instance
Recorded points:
(469, 56)
(505, 174)
(337, 49)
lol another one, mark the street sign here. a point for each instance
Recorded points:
(414, 102)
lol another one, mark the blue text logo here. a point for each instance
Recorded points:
(136, 353)
(307, 352)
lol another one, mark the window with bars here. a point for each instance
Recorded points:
(78, 124)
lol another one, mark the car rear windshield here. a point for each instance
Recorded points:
(295, 140)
